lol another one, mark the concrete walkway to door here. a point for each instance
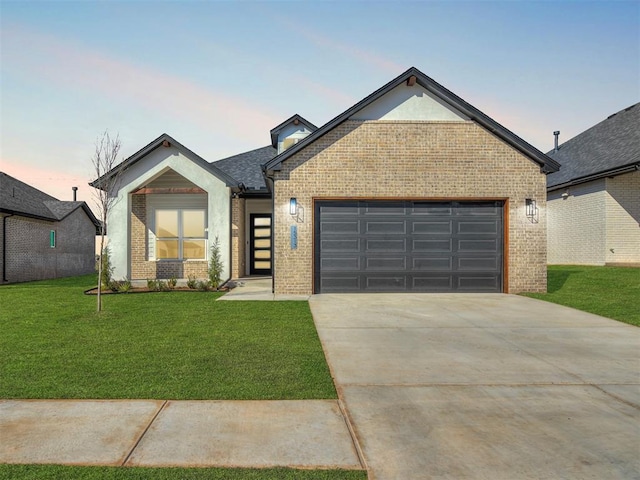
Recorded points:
(484, 386)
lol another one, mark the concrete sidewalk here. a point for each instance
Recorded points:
(256, 288)
(254, 434)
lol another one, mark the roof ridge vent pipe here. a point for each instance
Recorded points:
(556, 134)
(75, 191)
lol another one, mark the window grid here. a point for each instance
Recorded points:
(179, 246)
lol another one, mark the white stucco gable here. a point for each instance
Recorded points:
(149, 167)
(409, 103)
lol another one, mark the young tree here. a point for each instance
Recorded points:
(107, 172)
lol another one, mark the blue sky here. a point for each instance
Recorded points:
(217, 76)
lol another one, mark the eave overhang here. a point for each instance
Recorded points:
(613, 172)
(165, 140)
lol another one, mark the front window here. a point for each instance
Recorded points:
(180, 234)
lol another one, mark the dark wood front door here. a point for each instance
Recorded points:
(260, 244)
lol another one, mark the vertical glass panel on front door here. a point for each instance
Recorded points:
(260, 244)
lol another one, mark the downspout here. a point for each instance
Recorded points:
(4, 247)
(232, 196)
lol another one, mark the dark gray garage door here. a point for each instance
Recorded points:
(408, 246)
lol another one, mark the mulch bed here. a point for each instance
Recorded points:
(106, 291)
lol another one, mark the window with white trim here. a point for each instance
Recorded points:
(180, 234)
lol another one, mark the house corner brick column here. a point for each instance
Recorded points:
(237, 238)
(140, 267)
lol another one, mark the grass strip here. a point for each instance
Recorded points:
(56, 472)
(612, 292)
(164, 345)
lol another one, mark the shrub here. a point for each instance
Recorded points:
(215, 265)
(172, 282)
(124, 286)
(202, 286)
(107, 268)
(114, 286)
(192, 282)
(152, 284)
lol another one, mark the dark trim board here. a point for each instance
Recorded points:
(409, 245)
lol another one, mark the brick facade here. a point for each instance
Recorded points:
(596, 223)
(577, 225)
(29, 255)
(238, 240)
(141, 267)
(410, 159)
(623, 219)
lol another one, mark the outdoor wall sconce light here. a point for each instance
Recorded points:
(293, 207)
(531, 210)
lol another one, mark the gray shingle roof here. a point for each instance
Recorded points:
(246, 167)
(18, 198)
(609, 146)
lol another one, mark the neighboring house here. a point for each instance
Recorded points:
(594, 200)
(42, 237)
(411, 189)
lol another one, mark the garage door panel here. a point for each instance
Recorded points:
(408, 246)
(383, 245)
(341, 283)
(432, 246)
(475, 228)
(432, 208)
(385, 228)
(475, 209)
(330, 264)
(341, 245)
(480, 264)
(441, 227)
(386, 283)
(431, 263)
(383, 208)
(476, 245)
(385, 263)
(478, 283)
(341, 209)
(433, 283)
(342, 226)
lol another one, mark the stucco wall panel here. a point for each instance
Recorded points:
(381, 159)
(122, 219)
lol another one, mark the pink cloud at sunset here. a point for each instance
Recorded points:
(73, 66)
(324, 41)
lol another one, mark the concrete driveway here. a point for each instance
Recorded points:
(484, 386)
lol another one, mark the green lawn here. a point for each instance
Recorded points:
(612, 292)
(56, 472)
(164, 345)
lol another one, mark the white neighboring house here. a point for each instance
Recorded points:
(594, 200)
